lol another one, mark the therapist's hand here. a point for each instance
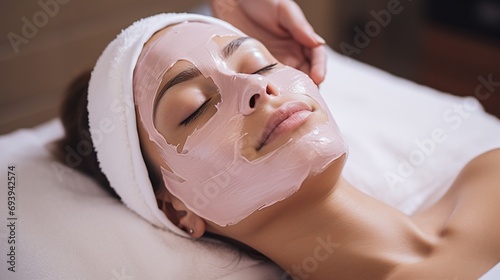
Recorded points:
(282, 27)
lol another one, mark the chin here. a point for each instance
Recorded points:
(327, 179)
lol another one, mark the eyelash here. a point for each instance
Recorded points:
(203, 106)
(265, 69)
(196, 113)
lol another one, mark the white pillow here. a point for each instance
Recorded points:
(67, 227)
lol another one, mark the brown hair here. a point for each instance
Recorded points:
(76, 150)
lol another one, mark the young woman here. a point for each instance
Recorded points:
(238, 145)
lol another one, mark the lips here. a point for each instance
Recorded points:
(287, 117)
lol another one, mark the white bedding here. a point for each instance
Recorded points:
(68, 228)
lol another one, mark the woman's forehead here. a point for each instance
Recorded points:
(194, 27)
(202, 44)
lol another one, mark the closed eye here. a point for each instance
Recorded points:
(204, 106)
(265, 69)
(196, 113)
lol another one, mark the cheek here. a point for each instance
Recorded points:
(295, 81)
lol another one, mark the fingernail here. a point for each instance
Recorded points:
(319, 39)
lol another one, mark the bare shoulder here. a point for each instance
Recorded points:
(478, 200)
(472, 231)
(468, 240)
(487, 164)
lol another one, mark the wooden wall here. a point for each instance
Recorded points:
(71, 34)
(49, 45)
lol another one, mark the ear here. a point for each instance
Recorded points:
(180, 215)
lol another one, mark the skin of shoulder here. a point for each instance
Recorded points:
(468, 239)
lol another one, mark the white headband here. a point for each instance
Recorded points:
(112, 118)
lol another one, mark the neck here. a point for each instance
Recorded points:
(344, 233)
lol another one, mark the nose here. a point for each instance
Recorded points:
(259, 90)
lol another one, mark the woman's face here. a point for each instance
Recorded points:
(193, 100)
(228, 121)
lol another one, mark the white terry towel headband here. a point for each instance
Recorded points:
(112, 119)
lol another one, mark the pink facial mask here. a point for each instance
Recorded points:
(211, 176)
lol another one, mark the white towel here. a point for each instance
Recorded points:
(112, 117)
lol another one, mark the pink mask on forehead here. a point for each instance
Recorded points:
(211, 176)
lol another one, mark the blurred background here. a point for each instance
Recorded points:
(453, 46)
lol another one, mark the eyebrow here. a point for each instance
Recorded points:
(192, 72)
(184, 76)
(230, 48)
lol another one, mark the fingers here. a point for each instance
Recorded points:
(292, 19)
(318, 64)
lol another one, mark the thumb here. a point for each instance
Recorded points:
(294, 21)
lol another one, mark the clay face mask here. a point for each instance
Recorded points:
(213, 174)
